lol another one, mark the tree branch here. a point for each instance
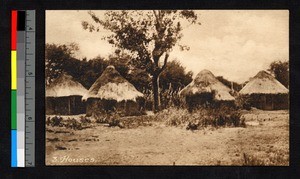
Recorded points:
(159, 14)
(165, 62)
(156, 17)
(146, 49)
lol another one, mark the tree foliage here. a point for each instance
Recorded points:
(61, 59)
(281, 71)
(175, 77)
(90, 70)
(55, 57)
(122, 63)
(147, 34)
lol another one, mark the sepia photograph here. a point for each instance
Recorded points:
(167, 87)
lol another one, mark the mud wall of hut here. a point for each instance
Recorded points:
(69, 105)
(195, 101)
(96, 106)
(267, 101)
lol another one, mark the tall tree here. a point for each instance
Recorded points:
(281, 71)
(148, 35)
(56, 56)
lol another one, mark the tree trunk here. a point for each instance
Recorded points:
(155, 78)
(155, 87)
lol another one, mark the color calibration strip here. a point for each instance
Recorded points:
(21, 111)
(14, 147)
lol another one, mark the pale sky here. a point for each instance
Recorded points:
(235, 44)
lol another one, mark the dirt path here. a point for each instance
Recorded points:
(162, 145)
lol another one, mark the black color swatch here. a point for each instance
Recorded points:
(21, 21)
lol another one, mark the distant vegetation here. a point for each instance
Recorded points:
(280, 69)
(229, 84)
(61, 58)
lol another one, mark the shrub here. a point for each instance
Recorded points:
(112, 119)
(113, 122)
(173, 116)
(70, 123)
(136, 121)
(54, 121)
(226, 116)
(73, 124)
(203, 117)
(106, 117)
(84, 119)
(170, 98)
(243, 102)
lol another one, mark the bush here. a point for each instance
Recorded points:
(203, 117)
(106, 117)
(84, 119)
(113, 122)
(73, 124)
(70, 123)
(225, 116)
(112, 119)
(55, 121)
(243, 102)
(170, 98)
(173, 116)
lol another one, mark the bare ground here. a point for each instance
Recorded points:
(264, 141)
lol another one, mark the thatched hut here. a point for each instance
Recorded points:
(112, 92)
(263, 91)
(205, 90)
(63, 96)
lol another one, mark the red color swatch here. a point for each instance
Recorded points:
(14, 16)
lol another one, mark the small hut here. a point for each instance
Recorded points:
(205, 90)
(112, 92)
(63, 96)
(263, 91)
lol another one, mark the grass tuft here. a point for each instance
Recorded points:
(275, 158)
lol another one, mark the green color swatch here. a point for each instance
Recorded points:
(14, 109)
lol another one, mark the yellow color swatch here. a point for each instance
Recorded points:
(13, 69)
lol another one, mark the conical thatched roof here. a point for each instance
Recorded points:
(264, 83)
(206, 82)
(112, 86)
(65, 85)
